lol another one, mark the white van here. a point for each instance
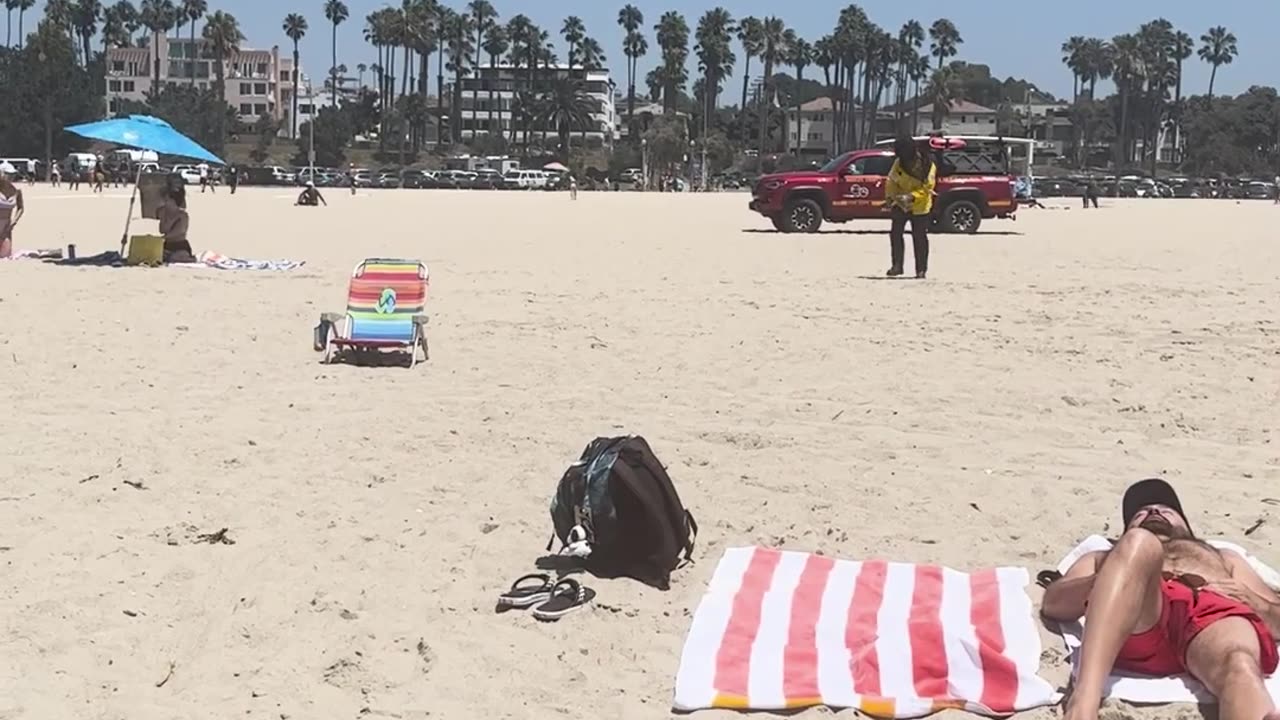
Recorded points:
(81, 162)
(130, 156)
(525, 179)
(26, 167)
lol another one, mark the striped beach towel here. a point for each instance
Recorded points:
(782, 630)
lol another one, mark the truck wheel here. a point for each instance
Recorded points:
(961, 216)
(802, 216)
(778, 224)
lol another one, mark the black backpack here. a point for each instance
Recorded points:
(618, 504)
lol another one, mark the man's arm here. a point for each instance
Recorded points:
(1258, 596)
(1065, 599)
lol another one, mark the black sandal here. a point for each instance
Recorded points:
(524, 594)
(566, 596)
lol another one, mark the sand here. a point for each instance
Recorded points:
(991, 415)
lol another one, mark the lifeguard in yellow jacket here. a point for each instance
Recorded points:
(909, 193)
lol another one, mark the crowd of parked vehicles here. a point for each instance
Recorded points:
(1135, 186)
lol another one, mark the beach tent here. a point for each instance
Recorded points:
(144, 133)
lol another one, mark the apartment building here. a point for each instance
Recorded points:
(504, 80)
(259, 82)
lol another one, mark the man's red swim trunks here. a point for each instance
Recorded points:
(1160, 651)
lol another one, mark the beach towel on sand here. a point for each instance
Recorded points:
(1142, 689)
(894, 640)
(222, 262)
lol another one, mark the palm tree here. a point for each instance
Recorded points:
(1071, 56)
(1219, 49)
(495, 46)
(1129, 73)
(23, 7)
(361, 69)
(520, 30)
(336, 12)
(1097, 63)
(946, 40)
(910, 39)
(156, 16)
(714, 49)
(9, 6)
(58, 14)
(673, 37)
(223, 33)
(799, 56)
(295, 27)
(943, 90)
(634, 46)
(573, 31)
(1183, 48)
(773, 32)
(192, 11)
(750, 34)
(458, 35)
(443, 16)
(84, 16)
(127, 14)
(566, 107)
(485, 18)
(375, 33)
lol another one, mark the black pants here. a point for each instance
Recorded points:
(1090, 199)
(919, 240)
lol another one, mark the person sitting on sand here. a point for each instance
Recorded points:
(174, 222)
(11, 210)
(1162, 602)
(311, 197)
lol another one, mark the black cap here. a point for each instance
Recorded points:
(1152, 491)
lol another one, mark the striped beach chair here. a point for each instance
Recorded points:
(385, 303)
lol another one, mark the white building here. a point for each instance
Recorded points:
(962, 118)
(258, 82)
(476, 112)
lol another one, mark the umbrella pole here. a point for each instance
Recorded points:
(133, 196)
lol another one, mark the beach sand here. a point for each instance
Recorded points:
(991, 415)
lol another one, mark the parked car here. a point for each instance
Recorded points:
(416, 180)
(1260, 191)
(487, 180)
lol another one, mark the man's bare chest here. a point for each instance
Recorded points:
(1191, 557)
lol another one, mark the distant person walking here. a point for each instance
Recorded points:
(573, 188)
(909, 193)
(1090, 194)
(203, 169)
(233, 178)
(351, 177)
(55, 176)
(1276, 189)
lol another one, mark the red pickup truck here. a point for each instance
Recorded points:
(973, 185)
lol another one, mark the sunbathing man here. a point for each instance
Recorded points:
(1162, 602)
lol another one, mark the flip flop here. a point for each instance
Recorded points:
(566, 596)
(524, 593)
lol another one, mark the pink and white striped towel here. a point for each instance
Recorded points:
(788, 629)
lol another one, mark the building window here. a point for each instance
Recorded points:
(117, 66)
(113, 86)
(128, 85)
(819, 117)
(259, 88)
(262, 68)
(113, 106)
(259, 109)
(304, 109)
(815, 136)
(246, 88)
(284, 76)
(245, 108)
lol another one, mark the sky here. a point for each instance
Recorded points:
(1023, 43)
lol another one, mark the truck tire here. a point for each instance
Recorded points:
(802, 215)
(961, 216)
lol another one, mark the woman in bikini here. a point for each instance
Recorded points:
(174, 222)
(11, 210)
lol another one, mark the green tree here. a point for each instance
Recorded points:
(222, 31)
(199, 114)
(485, 19)
(459, 34)
(573, 31)
(495, 46)
(799, 56)
(943, 90)
(192, 11)
(157, 16)
(337, 13)
(946, 40)
(23, 7)
(714, 48)
(673, 38)
(85, 15)
(333, 133)
(774, 37)
(565, 107)
(634, 47)
(751, 35)
(295, 27)
(44, 91)
(1219, 48)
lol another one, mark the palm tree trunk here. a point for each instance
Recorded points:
(194, 60)
(493, 68)
(293, 115)
(765, 107)
(1212, 77)
(440, 80)
(333, 68)
(21, 12)
(404, 82)
(746, 78)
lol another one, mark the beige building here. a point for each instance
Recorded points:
(259, 82)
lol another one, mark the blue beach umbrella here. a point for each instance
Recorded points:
(145, 133)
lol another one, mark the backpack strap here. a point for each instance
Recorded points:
(691, 530)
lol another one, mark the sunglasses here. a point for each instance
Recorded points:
(1190, 580)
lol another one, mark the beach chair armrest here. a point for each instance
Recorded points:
(334, 318)
(420, 320)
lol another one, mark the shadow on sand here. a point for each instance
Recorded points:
(885, 232)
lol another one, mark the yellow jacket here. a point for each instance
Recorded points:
(901, 182)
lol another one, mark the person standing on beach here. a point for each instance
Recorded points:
(351, 177)
(1090, 193)
(203, 169)
(11, 210)
(233, 178)
(909, 193)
